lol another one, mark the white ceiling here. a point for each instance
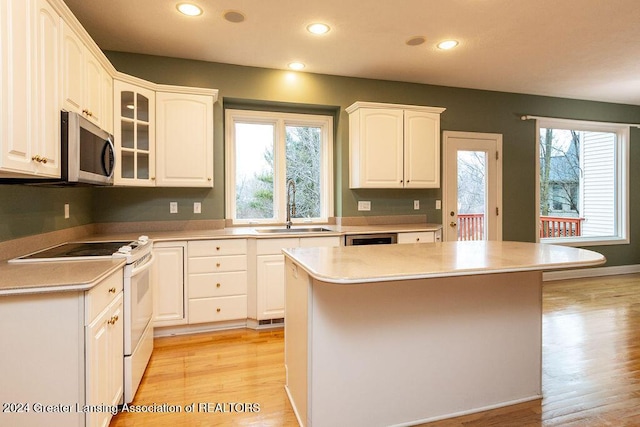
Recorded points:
(583, 49)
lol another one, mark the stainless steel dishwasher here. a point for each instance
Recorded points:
(370, 239)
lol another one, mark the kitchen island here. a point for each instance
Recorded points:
(410, 333)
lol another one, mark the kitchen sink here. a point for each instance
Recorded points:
(293, 230)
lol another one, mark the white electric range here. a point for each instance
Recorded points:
(138, 298)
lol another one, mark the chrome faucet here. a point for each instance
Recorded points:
(291, 205)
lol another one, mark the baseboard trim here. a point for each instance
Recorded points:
(168, 331)
(590, 272)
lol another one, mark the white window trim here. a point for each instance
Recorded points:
(622, 131)
(280, 121)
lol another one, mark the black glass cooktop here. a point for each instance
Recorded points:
(80, 249)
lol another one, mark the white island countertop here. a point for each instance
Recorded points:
(376, 263)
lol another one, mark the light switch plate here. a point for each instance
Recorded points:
(416, 205)
(66, 211)
(173, 207)
(438, 204)
(197, 207)
(364, 205)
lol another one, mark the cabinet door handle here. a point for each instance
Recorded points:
(217, 264)
(39, 159)
(217, 248)
(217, 310)
(417, 239)
(217, 285)
(112, 290)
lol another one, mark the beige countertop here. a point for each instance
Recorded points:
(40, 277)
(43, 277)
(362, 264)
(253, 232)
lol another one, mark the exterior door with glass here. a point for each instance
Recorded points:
(472, 171)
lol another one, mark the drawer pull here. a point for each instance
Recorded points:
(217, 285)
(113, 320)
(112, 290)
(217, 264)
(218, 310)
(417, 239)
(217, 248)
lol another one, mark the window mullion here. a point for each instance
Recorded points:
(280, 176)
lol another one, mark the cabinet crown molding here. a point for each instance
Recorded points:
(126, 78)
(362, 104)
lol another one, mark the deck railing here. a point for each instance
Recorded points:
(555, 226)
(471, 226)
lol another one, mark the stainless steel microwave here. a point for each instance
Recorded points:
(87, 152)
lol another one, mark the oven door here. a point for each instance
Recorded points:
(138, 302)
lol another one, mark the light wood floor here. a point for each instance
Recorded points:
(591, 368)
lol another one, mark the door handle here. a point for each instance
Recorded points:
(453, 224)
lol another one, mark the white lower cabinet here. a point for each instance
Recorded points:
(419, 237)
(270, 272)
(70, 353)
(104, 348)
(217, 280)
(105, 361)
(168, 279)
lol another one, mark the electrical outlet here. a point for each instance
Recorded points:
(416, 204)
(197, 207)
(66, 211)
(173, 207)
(364, 205)
(438, 204)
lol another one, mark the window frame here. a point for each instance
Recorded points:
(280, 121)
(622, 132)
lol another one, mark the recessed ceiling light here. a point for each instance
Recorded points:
(447, 44)
(234, 16)
(318, 28)
(189, 9)
(296, 66)
(415, 41)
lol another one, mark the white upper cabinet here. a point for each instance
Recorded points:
(86, 86)
(163, 134)
(184, 140)
(394, 146)
(50, 63)
(421, 149)
(134, 135)
(30, 116)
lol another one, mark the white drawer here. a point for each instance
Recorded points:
(217, 284)
(217, 264)
(203, 310)
(101, 295)
(309, 242)
(275, 246)
(417, 237)
(201, 248)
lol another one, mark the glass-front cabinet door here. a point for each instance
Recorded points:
(134, 133)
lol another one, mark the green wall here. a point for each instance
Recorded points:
(466, 110)
(27, 210)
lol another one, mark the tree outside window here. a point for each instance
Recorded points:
(269, 149)
(582, 181)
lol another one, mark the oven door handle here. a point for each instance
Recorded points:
(147, 265)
